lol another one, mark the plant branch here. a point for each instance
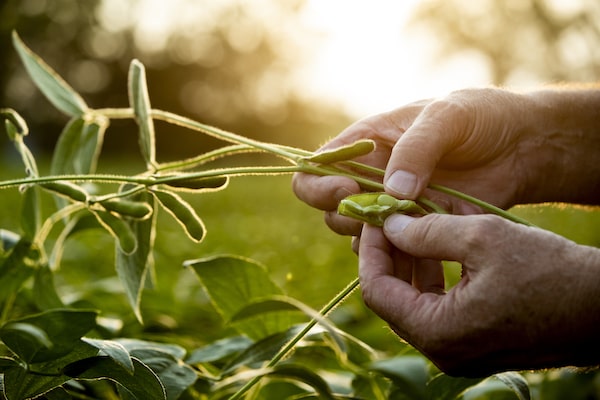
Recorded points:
(332, 304)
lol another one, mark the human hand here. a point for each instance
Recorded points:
(527, 297)
(498, 146)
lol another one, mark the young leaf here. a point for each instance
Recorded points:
(58, 92)
(133, 268)
(232, 283)
(119, 229)
(183, 212)
(78, 146)
(140, 102)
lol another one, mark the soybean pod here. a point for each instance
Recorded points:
(128, 208)
(183, 213)
(343, 153)
(66, 189)
(119, 229)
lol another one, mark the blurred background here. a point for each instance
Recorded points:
(294, 72)
(291, 71)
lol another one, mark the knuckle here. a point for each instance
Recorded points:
(483, 231)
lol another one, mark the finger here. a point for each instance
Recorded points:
(323, 192)
(435, 132)
(466, 239)
(382, 291)
(428, 276)
(343, 225)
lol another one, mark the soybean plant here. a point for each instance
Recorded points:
(128, 213)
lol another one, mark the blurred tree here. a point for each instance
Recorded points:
(225, 63)
(522, 41)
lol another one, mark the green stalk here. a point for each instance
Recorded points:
(480, 203)
(333, 303)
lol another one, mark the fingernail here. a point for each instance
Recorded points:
(402, 183)
(396, 223)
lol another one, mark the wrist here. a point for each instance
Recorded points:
(562, 145)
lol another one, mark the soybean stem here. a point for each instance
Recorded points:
(333, 303)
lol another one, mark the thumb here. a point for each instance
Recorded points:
(419, 149)
(462, 238)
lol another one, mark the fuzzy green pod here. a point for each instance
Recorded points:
(67, 189)
(203, 184)
(119, 229)
(128, 208)
(343, 153)
(183, 213)
(375, 207)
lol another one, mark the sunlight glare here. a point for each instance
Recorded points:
(369, 62)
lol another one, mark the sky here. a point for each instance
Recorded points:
(365, 59)
(371, 62)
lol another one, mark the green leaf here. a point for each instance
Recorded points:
(183, 213)
(62, 328)
(114, 350)
(140, 103)
(516, 383)
(133, 268)
(45, 291)
(79, 145)
(283, 303)
(20, 385)
(142, 384)
(305, 375)
(444, 387)
(233, 282)
(58, 92)
(408, 373)
(175, 375)
(119, 229)
(15, 269)
(219, 350)
(490, 389)
(262, 350)
(133, 345)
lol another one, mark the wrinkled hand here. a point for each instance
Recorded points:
(469, 141)
(527, 298)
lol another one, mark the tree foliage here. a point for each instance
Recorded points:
(215, 61)
(521, 40)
